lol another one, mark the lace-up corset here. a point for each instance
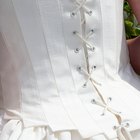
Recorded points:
(67, 60)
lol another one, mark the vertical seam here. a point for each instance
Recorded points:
(103, 47)
(60, 8)
(35, 79)
(52, 69)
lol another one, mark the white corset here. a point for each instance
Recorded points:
(65, 64)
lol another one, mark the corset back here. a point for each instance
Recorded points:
(44, 45)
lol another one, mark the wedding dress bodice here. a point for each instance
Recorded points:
(65, 64)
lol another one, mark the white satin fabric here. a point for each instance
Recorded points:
(65, 72)
(13, 130)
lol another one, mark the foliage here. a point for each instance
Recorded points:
(131, 25)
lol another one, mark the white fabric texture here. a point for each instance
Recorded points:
(65, 72)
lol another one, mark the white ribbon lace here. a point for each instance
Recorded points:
(80, 5)
(88, 45)
(89, 76)
(105, 106)
(121, 130)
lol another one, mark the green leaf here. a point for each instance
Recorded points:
(132, 28)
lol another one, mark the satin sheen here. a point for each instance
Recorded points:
(41, 93)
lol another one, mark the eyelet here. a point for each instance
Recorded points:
(93, 101)
(103, 114)
(94, 67)
(72, 14)
(110, 99)
(74, 32)
(76, 50)
(114, 127)
(84, 85)
(127, 125)
(90, 12)
(92, 30)
(79, 68)
(92, 49)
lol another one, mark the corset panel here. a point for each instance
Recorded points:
(60, 55)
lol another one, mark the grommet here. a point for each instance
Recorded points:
(92, 30)
(89, 12)
(76, 50)
(92, 49)
(122, 125)
(93, 101)
(102, 114)
(79, 68)
(84, 85)
(127, 125)
(110, 99)
(94, 67)
(74, 32)
(114, 127)
(72, 14)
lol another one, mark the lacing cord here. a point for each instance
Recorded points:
(105, 106)
(89, 76)
(121, 130)
(88, 45)
(80, 5)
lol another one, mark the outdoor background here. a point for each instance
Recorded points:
(131, 26)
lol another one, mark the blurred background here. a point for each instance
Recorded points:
(131, 25)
